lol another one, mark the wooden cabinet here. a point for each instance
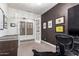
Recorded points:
(8, 48)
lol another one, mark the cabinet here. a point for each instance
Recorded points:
(8, 48)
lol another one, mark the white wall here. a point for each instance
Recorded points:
(4, 8)
(15, 16)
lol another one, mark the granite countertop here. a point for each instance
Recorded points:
(9, 37)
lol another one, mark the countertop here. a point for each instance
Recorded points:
(9, 38)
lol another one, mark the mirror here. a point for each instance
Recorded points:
(2, 16)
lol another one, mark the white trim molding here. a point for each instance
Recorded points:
(54, 46)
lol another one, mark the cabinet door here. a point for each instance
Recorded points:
(8, 48)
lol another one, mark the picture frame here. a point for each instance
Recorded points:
(12, 24)
(59, 29)
(44, 25)
(60, 20)
(50, 24)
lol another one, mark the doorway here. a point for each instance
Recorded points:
(26, 30)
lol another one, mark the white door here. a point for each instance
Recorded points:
(38, 30)
(26, 30)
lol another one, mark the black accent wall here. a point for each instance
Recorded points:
(59, 10)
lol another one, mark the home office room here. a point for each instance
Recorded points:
(39, 29)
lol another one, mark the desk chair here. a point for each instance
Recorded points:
(65, 44)
(45, 53)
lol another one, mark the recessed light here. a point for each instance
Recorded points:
(39, 3)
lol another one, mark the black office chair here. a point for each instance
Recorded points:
(45, 53)
(65, 44)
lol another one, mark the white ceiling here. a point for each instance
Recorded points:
(33, 7)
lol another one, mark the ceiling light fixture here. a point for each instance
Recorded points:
(39, 3)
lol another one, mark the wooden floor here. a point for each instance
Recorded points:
(25, 48)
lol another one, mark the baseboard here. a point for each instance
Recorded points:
(50, 44)
(26, 40)
(37, 41)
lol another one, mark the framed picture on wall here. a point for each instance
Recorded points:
(44, 25)
(50, 24)
(59, 29)
(60, 20)
(12, 24)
